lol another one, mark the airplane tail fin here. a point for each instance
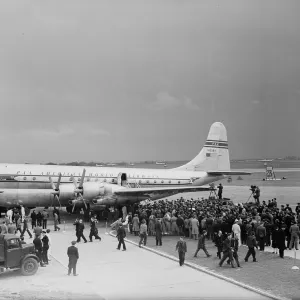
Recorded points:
(214, 156)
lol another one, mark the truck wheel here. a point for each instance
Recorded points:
(29, 267)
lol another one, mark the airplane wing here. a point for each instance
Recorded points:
(220, 173)
(159, 190)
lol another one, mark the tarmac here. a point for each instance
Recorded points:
(138, 273)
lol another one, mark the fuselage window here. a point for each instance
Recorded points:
(112, 180)
(34, 178)
(147, 181)
(104, 179)
(169, 181)
(88, 179)
(178, 182)
(70, 179)
(140, 181)
(162, 181)
(24, 178)
(154, 181)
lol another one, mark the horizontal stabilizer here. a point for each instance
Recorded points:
(227, 173)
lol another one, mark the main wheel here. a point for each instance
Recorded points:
(29, 266)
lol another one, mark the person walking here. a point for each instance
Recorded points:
(56, 222)
(73, 255)
(80, 232)
(227, 251)
(219, 238)
(251, 243)
(182, 249)
(143, 233)
(235, 248)
(121, 234)
(135, 224)
(94, 230)
(201, 244)
(25, 228)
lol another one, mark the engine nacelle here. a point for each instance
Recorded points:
(91, 190)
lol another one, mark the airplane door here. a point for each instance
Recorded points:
(122, 177)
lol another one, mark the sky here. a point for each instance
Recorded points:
(142, 80)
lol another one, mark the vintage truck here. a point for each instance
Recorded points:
(15, 255)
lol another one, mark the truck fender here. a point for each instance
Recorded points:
(30, 256)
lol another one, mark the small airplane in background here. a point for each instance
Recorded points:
(70, 186)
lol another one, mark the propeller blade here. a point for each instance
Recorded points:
(73, 207)
(56, 196)
(58, 182)
(52, 184)
(74, 181)
(82, 179)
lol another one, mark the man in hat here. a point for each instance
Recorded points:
(73, 257)
(182, 249)
(94, 229)
(297, 209)
(121, 234)
(45, 248)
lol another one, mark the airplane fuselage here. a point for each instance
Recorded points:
(37, 176)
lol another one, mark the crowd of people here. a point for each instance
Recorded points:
(255, 225)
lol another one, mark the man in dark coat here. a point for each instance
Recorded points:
(45, 248)
(227, 251)
(219, 238)
(201, 244)
(220, 190)
(281, 241)
(94, 230)
(158, 232)
(235, 248)
(39, 218)
(261, 236)
(251, 243)
(73, 257)
(80, 232)
(33, 219)
(182, 249)
(121, 234)
(38, 249)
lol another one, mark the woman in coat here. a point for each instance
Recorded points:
(135, 225)
(174, 228)
(151, 226)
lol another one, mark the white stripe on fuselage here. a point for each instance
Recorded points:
(25, 172)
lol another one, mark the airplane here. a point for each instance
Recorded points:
(70, 186)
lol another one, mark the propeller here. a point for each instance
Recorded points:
(56, 191)
(79, 189)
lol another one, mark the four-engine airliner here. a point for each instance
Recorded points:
(46, 185)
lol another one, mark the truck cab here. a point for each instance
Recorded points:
(15, 255)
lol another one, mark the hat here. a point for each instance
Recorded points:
(120, 224)
(73, 243)
(43, 231)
